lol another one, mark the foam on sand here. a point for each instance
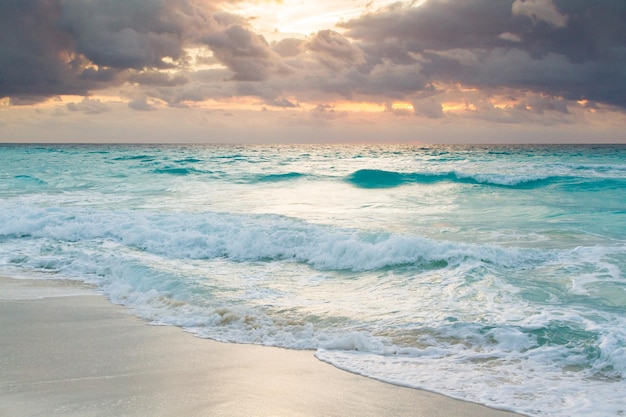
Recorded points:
(81, 356)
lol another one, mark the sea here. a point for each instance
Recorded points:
(492, 274)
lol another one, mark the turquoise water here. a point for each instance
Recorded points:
(493, 274)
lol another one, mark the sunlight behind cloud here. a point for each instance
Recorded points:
(401, 105)
(329, 64)
(278, 19)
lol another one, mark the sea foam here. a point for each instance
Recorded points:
(250, 238)
(422, 266)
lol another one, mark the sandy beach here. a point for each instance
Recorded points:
(65, 351)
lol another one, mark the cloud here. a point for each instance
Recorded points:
(184, 51)
(429, 108)
(141, 104)
(511, 37)
(437, 24)
(575, 50)
(288, 47)
(282, 102)
(34, 62)
(540, 10)
(334, 50)
(87, 106)
(54, 47)
(138, 34)
(123, 35)
(244, 52)
(155, 78)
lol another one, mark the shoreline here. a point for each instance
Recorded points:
(65, 350)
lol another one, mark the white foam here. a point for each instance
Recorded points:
(532, 385)
(528, 321)
(246, 238)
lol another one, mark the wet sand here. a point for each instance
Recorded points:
(72, 353)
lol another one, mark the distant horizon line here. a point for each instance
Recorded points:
(320, 143)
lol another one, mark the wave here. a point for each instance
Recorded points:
(248, 179)
(181, 171)
(188, 160)
(274, 177)
(250, 238)
(374, 178)
(30, 180)
(142, 158)
(595, 184)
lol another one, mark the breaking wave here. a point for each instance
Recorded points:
(374, 178)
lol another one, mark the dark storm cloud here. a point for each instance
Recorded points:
(52, 47)
(244, 52)
(334, 50)
(438, 24)
(132, 34)
(33, 52)
(570, 48)
(155, 78)
(138, 34)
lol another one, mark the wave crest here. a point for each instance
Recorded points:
(374, 178)
(249, 238)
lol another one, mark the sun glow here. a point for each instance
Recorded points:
(503, 103)
(451, 107)
(298, 18)
(402, 106)
(359, 107)
(252, 103)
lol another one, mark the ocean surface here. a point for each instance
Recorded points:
(494, 274)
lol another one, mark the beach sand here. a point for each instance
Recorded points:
(73, 353)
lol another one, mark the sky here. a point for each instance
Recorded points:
(324, 71)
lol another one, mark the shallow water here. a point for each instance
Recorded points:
(492, 274)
